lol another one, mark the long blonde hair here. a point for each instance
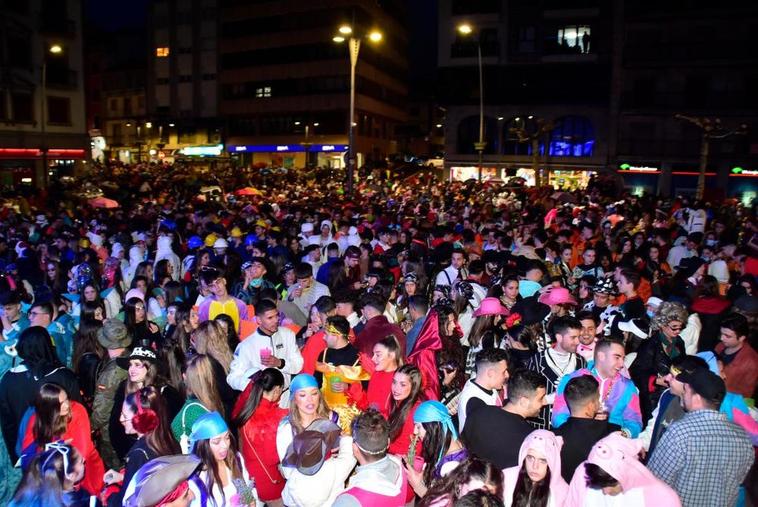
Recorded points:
(211, 339)
(200, 382)
(322, 412)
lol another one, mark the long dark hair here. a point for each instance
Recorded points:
(399, 412)
(88, 308)
(48, 422)
(469, 469)
(435, 445)
(35, 348)
(531, 494)
(203, 451)
(171, 357)
(85, 341)
(158, 435)
(263, 382)
(130, 318)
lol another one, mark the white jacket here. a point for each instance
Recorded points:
(322, 487)
(247, 357)
(165, 252)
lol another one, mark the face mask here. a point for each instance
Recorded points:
(256, 283)
(711, 242)
(650, 313)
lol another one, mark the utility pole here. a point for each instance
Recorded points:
(710, 128)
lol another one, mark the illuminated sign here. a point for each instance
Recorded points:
(639, 168)
(199, 151)
(287, 148)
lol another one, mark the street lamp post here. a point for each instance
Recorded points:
(465, 30)
(711, 128)
(55, 49)
(354, 48)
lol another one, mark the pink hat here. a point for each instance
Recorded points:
(134, 293)
(490, 306)
(557, 296)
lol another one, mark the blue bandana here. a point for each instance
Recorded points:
(302, 381)
(207, 426)
(434, 411)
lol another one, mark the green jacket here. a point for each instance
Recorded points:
(105, 391)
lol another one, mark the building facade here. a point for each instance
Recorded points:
(284, 83)
(181, 97)
(42, 120)
(605, 79)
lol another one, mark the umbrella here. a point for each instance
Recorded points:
(103, 202)
(563, 197)
(248, 191)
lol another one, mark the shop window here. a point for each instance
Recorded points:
(573, 136)
(575, 39)
(59, 110)
(161, 52)
(262, 92)
(21, 103)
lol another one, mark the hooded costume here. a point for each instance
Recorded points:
(617, 456)
(166, 252)
(424, 353)
(550, 445)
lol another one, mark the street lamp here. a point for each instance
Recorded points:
(466, 30)
(55, 49)
(711, 128)
(354, 47)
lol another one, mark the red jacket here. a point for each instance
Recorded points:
(258, 448)
(79, 432)
(742, 373)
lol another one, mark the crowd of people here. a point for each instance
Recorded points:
(279, 342)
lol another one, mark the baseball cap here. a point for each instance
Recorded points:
(705, 383)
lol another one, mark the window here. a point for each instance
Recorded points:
(21, 103)
(116, 131)
(161, 81)
(525, 43)
(113, 104)
(264, 91)
(575, 39)
(185, 79)
(573, 136)
(468, 134)
(59, 110)
(127, 106)
(161, 52)
(209, 77)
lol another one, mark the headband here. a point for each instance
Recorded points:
(434, 411)
(302, 381)
(207, 426)
(330, 329)
(381, 451)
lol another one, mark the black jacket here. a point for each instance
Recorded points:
(139, 454)
(89, 368)
(579, 435)
(119, 439)
(652, 360)
(18, 388)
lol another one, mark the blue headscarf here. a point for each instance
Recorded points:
(302, 381)
(434, 411)
(207, 426)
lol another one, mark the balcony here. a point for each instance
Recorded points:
(58, 27)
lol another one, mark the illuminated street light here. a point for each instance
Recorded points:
(354, 47)
(465, 29)
(56, 49)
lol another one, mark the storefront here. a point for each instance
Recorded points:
(640, 177)
(569, 179)
(18, 165)
(743, 184)
(463, 173)
(685, 183)
(292, 156)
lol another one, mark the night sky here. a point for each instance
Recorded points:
(115, 15)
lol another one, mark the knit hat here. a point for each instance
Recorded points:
(113, 335)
